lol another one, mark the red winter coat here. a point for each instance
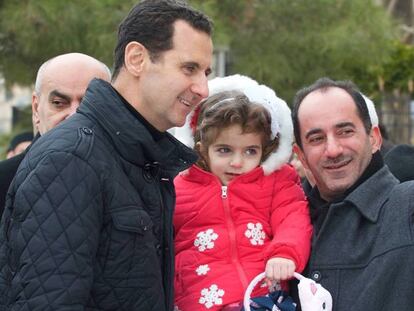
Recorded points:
(225, 235)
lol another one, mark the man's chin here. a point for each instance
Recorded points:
(333, 189)
(179, 122)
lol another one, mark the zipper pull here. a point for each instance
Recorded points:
(224, 192)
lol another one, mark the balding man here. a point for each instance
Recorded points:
(60, 85)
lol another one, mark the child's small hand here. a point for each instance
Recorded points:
(279, 269)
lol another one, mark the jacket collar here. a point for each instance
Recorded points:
(369, 197)
(197, 174)
(129, 136)
(364, 194)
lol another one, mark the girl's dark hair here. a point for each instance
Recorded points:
(226, 109)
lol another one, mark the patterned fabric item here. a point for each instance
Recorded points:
(274, 301)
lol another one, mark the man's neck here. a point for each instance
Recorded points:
(156, 135)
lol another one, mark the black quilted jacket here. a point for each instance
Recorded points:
(87, 224)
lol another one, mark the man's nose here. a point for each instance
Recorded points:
(333, 147)
(200, 86)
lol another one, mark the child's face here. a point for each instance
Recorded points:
(234, 153)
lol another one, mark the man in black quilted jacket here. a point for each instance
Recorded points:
(88, 219)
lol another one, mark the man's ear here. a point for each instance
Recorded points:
(135, 56)
(301, 155)
(375, 138)
(35, 111)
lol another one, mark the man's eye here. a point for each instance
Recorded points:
(189, 69)
(346, 132)
(315, 139)
(59, 103)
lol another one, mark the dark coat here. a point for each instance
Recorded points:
(8, 169)
(364, 251)
(400, 161)
(88, 224)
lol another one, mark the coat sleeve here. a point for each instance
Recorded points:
(52, 235)
(290, 220)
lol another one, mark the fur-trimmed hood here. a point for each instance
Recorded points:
(260, 94)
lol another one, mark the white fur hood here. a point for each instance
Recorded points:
(260, 94)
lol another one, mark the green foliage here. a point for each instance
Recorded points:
(290, 43)
(284, 43)
(221, 32)
(4, 143)
(398, 71)
(34, 31)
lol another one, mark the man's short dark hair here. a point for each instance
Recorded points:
(322, 85)
(151, 23)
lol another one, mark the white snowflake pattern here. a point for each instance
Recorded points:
(202, 269)
(205, 240)
(176, 308)
(211, 297)
(255, 233)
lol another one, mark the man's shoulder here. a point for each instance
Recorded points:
(62, 155)
(72, 136)
(403, 189)
(400, 198)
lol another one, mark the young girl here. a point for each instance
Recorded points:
(240, 210)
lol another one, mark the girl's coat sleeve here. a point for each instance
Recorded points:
(290, 220)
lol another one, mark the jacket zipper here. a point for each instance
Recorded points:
(232, 238)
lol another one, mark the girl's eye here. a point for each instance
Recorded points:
(251, 151)
(223, 150)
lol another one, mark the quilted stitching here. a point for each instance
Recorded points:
(60, 246)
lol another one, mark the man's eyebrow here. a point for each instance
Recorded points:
(56, 93)
(192, 64)
(344, 124)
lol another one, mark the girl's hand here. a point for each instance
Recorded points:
(279, 269)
